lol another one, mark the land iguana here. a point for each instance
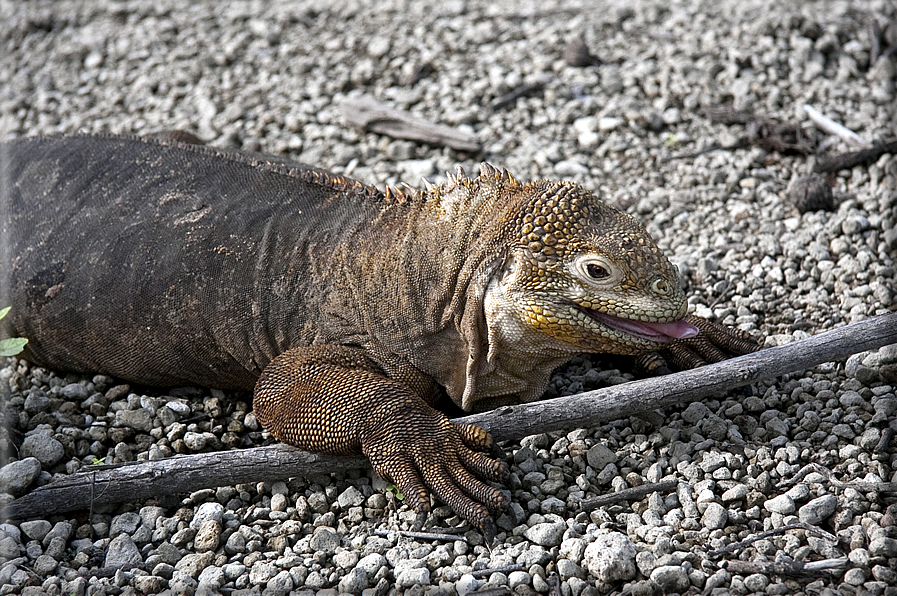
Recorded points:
(345, 308)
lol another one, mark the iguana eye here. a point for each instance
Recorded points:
(596, 271)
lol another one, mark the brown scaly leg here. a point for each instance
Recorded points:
(334, 399)
(713, 343)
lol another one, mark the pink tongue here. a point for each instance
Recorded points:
(676, 330)
(679, 329)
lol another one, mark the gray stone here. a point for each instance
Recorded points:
(125, 523)
(324, 540)
(670, 578)
(213, 577)
(818, 509)
(36, 529)
(418, 576)
(354, 581)
(695, 412)
(122, 552)
(281, 584)
(44, 447)
(715, 516)
(74, 391)
(611, 557)
(546, 534)
(60, 530)
(599, 456)
(883, 546)
(783, 504)
(140, 420)
(207, 511)
(351, 497)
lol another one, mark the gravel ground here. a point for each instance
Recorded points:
(243, 75)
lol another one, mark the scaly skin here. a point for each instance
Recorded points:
(344, 307)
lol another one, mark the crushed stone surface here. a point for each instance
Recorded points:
(617, 96)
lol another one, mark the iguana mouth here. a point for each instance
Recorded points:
(658, 332)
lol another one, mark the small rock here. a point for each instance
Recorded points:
(715, 516)
(16, 477)
(467, 585)
(568, 167)
(811, 192)
(611, 557)
(36, 529)
(670, 578)
(44, 447)
(354, 581)
(208, 536)
(818, 509)
(418, 576)
(122, 551)
(140, 420)
(883, 546)
(324, 540)
(783, 504)
(351, 497)
(577, 54)
(599, 456)
(546, 534)
(207, 511)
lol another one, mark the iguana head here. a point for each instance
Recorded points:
(587, 274)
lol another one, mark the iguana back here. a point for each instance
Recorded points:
(170, 263)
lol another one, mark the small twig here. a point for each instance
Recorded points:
(506, 570)
(826, 124)
(881, 487)
(521, 91)
(793, 568)
(369, 114)
(422, 535)
(775, 532)
(628, 494)
(845, 161)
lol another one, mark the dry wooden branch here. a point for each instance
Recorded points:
(369, 114)
(845, 161)
(791, 569)
(185, 473)
(826, 124)
(628, 494)
(879, 487)
(775, 532)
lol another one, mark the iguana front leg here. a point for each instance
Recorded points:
(713, 343)
(334, 399)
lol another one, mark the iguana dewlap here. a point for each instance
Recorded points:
(344, 307)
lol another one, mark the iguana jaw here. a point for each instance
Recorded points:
(655, 332)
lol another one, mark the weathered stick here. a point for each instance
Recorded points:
(828, 125)
(592, 408)
(845, 161)
(185, 473)
(367, 113)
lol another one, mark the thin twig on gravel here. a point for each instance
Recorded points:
(881, 487)
(775, 532)
(506, 570)
(826, 124)
(628, 494)
(187, 473)
(791, 568)
(845, 161)
(445, 537)
(371, 115)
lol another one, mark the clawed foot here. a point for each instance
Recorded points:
(714, 343)
(444, 459)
